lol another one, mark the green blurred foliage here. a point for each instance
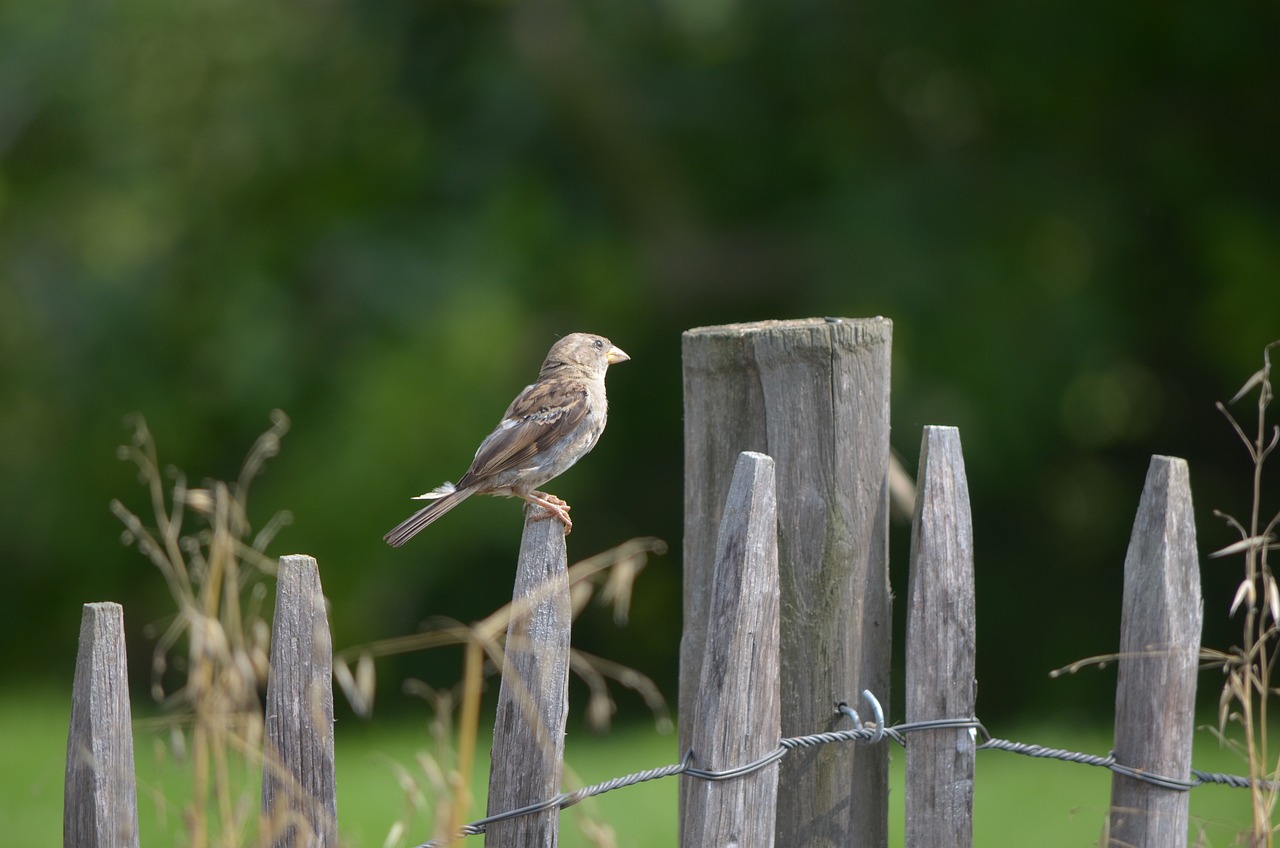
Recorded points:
(377, 217)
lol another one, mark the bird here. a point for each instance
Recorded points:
(552, 423)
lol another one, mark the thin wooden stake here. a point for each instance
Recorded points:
(299, 792)
(814, 395)
(737, 717)
(1159, 648)
(533, 702)
(940, 649)
(100, 806)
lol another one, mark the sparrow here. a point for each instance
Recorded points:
(550, 425)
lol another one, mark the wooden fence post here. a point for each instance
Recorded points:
(299, 793)
(1159, 650)
(940, 649)
(814, 395)
(736, 719)
(100, 805)
(526, 761)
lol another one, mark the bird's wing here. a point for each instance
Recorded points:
(539, 416)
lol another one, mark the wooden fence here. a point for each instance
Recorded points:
(787, 612)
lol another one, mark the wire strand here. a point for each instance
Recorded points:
(870, 732)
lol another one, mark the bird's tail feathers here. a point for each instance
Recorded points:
(441, 491)
(414, 524)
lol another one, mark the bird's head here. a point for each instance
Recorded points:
(583, 350)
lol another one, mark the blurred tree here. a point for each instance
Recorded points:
(378, 216)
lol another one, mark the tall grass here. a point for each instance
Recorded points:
(211, 659)
(1248, 667)
(440, 787)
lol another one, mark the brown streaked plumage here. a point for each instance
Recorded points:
(549, 426)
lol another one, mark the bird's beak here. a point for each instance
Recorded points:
(616, 355)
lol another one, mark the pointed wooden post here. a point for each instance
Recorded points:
(814, 395)
(100, 805)
(533, 701)
(940, 649)
(299, 791)
(736, 719)
(1159, 651)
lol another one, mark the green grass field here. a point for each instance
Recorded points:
(1019, 801)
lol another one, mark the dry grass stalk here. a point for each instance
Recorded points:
(1248, 667)
(447, 774)
(210, 662)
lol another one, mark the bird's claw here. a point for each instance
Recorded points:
(551, 507)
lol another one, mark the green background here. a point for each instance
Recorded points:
(378, 216)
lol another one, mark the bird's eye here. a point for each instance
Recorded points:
(599, 343)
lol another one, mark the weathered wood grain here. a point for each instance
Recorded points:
(528, 737)
(737, 717)
(1159, 649)
(100, 804)
(299, 791)
(940, 648)
(814, 395)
